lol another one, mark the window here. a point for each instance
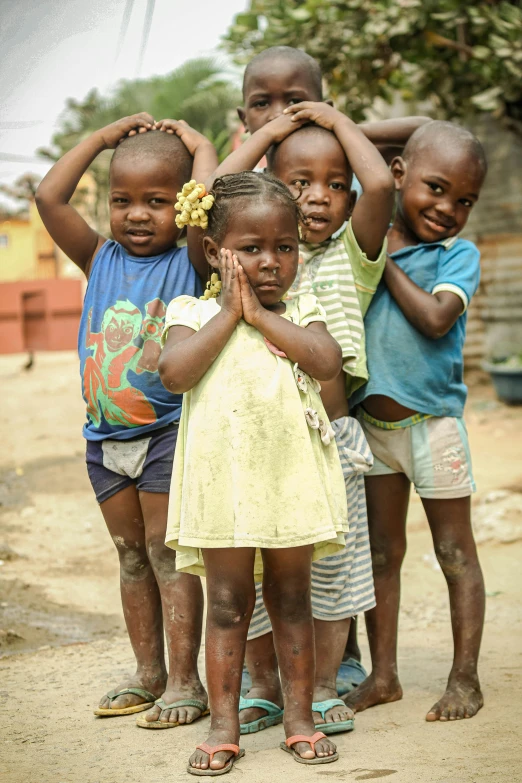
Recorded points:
(4, 240)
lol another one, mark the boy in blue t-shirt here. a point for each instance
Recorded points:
(411, 408)
(132, 420)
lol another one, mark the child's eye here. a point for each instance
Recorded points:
(293, 101)
(286, 248)
(157, 201)
(119, 200)
(337, 186)
(250, 249)
(260, 104)
(302, 183)
(466, 202)
(434, 187)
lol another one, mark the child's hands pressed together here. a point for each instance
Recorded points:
(315, 111)
(191, 138)
(230, 287)
(112, 134)
(252, 307)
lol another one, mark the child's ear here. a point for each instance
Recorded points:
(211, 251)
(351, 204)
(398, 170)
(241, 113)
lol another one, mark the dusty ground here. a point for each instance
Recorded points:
(63, 641)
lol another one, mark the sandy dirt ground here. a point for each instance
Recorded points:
(63, 642)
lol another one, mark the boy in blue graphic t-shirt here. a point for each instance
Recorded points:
(132, 420)
(411, 408)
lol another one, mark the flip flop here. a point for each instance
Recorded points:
(286, 746)
(158, 724)
(106, 712)
(273, 717)
(334, 727)
(351, 673)
(237, 751)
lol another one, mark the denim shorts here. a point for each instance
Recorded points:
(145, 462)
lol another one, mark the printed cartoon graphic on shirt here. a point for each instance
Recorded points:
(115, 353)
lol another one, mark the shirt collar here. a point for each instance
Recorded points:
(445, 243)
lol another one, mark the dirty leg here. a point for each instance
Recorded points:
(182, 605)
(450, 523)
(140, 597)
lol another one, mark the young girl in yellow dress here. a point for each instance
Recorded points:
(257, 486)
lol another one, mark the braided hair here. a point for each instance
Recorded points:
(230, 190)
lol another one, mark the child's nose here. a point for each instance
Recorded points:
(317, 194)
(269, 261)
(446, 206)
(138, 213)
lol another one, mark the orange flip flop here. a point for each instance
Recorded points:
(236, 750)
(287, 747)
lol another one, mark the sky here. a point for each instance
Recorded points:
(56, 49)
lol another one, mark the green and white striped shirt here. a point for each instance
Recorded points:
(344, 280)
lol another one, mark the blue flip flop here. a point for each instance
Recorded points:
(351, 673)
(272, 718)
(336, 727)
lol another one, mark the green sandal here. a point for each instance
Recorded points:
(107, 712)
(334, 727)
(272, 718)
(158, 724)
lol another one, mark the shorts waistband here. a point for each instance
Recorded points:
(395, 425)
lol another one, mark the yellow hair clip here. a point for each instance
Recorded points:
(193, 204)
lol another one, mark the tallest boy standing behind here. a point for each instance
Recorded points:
(132, 421)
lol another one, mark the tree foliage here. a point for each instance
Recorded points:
(464, 57)
(197, 92)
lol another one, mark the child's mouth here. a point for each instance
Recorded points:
(436, 225)
(139, 235)
(316, 222)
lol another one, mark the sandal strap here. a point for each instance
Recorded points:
(303, 738)
(200, 705)
(136, 691)
(217, 748)
(270, 708)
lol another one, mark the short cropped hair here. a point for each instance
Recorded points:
(297, 56)
(452, 136)
(160, 146)
(316, 133)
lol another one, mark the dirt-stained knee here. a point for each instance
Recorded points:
(228, 608)
(452, 560)
(162, 558)
(134, 563)
(387, 557)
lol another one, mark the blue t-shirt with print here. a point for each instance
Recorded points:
(119, 340)
(419, 373)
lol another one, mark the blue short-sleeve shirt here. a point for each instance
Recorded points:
(119, 340)
(419, 373)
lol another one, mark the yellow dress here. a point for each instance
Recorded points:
(252, 468)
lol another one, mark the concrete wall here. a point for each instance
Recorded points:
(38, 315)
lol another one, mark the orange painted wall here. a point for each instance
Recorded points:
(40, 315)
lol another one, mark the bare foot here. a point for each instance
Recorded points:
(323, 747)
(153, 684)
(201, 760)
(462, 699)
(181, 715)
(334, 714)
(373, 691)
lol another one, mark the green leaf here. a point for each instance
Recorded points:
(300, 15)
